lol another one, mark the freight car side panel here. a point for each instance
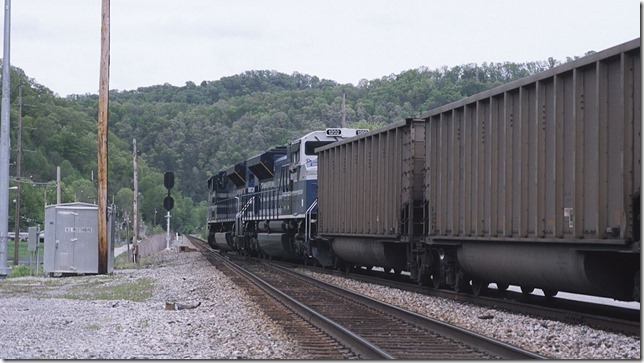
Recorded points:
(360, 183)
(555, 156)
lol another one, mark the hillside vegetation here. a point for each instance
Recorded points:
(198, 130)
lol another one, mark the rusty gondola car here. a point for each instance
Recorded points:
(535, 183)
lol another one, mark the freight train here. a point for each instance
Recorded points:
(535, 183)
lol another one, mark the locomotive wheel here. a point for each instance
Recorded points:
(478, 287)
(501, 286)
(550, 293)
(527, 290)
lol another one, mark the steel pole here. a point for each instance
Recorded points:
(5, 141)
(16, 218)
(167, 232)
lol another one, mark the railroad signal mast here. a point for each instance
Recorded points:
(168, 203)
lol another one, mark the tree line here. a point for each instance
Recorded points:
(197, 130)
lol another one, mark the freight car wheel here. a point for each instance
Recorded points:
(550, 293)
(501, 286)
(527, 290)
(438, 277)
(478, 287)
(462, 283)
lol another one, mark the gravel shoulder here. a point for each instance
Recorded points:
(75, 318)
(123, 316)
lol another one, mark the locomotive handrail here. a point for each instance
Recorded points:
(227, 209)
(309, 220)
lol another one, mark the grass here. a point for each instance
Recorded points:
(92, 287)
(20, 271)
(121, 262)
(144, 324)
(138, 290)
(95, 287)
(23, 252)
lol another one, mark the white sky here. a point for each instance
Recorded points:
(57, 42)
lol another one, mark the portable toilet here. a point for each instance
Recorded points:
(71, 239)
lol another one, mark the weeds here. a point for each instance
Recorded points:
(80, 288)
(139, 290)
(93, 327)
(20, 271)
(145, 323)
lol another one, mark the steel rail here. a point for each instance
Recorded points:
(502, 349)
(357, 344)
(567, 311)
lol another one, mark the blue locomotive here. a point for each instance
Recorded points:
(266, 206)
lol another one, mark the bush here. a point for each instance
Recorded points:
(20, 271)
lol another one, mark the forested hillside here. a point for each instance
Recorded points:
(197, 130)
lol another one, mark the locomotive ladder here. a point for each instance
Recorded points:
(238, 218)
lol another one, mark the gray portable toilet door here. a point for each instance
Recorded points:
(65, 240)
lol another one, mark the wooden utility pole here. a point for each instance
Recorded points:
(135, 207)
(103, 93)
(57, 186)
(127, 235)
(344, 112)
(16, 239)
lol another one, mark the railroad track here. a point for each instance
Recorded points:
(345, 325)
(313, 339)
(608, 318)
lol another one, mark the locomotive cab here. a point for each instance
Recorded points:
(221, 191)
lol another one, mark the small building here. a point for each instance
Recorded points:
(71, 239)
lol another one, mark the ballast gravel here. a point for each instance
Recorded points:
(548, 338)
(65, 318)
(57, 318)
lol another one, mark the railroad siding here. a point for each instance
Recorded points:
(556, 155)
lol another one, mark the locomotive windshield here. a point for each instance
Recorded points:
(310, 146)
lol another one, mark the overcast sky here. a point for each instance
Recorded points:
(57, 42)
